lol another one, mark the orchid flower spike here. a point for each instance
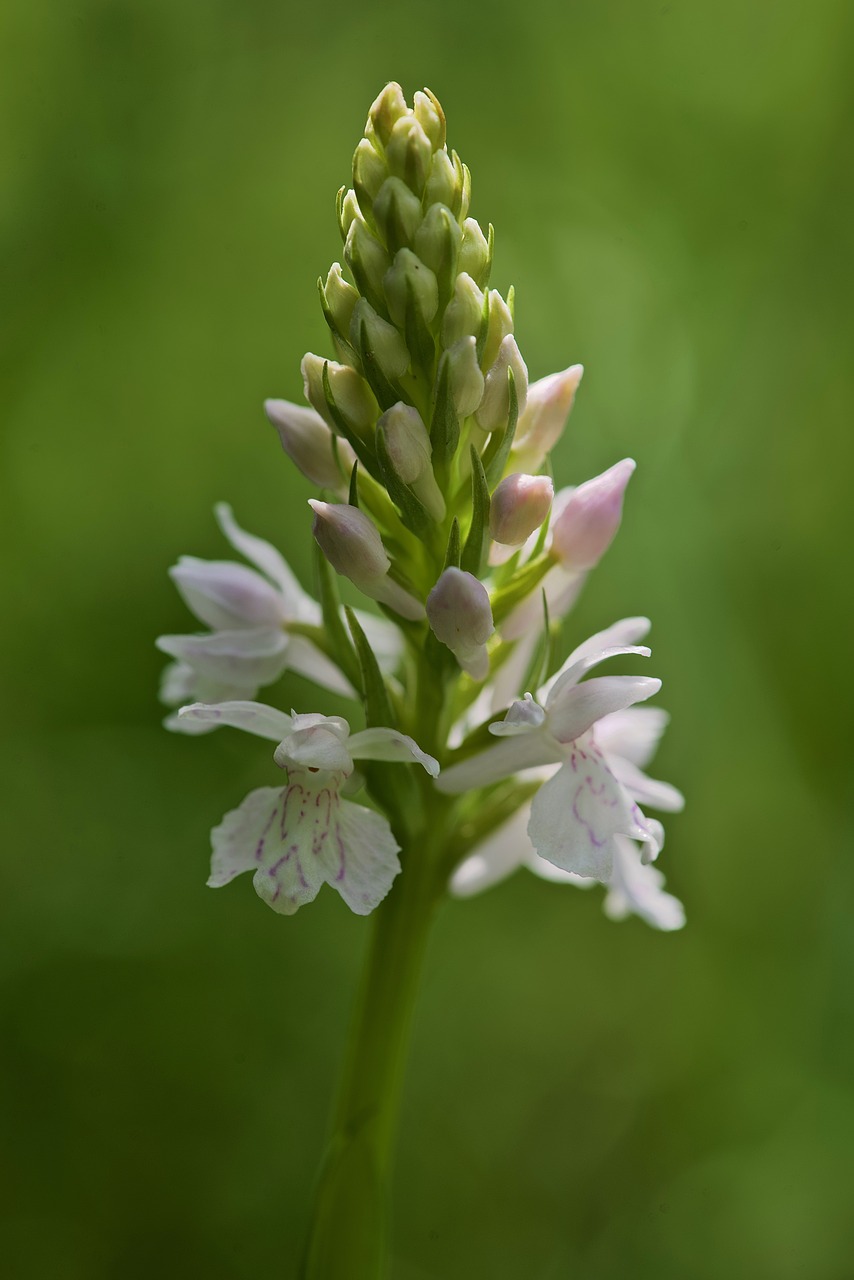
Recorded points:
(295, 838)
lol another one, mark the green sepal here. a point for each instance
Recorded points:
(361, 449)
(490, 254)
(498, 450)
(338, 644)
(416, 335)
(444, 424)
(483, 331)
(384, 390)
(452, 554)
(504, 600)
(477, 541)
(353, 495)
(511, 302)
(413, 513)
(378, 708)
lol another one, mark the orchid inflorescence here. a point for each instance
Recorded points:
(431, 454)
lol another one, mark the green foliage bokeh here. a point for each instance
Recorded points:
(672, 200)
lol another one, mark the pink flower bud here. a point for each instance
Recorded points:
(541, 425)
(460, 615)
(307, 441)
(354, 548)
(410, 453)
(520, 504)
(590, 517)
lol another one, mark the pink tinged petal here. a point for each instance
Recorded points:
(509, 756)
(292, 854)
(307, 441)
(576, 815)
(584, 704)
(633, 734)
(265, 557)
(588, 523)
(245, 659)
(561, 586)
(572, 671)
(542, 424)
(495, 858)
(253, 717)
(242, 832)
(366, 857)
(636, 889)
(227, 596)
(388, 744)
(647, 791)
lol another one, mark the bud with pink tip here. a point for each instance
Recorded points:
(307, 441)
(494, 409)
(460, 616)
(590, 517)
(354, 548)
(541, 425)
(519, 505)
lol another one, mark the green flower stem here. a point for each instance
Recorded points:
(348, 1237)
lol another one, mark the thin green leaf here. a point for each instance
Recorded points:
(413, 513)
(498, 449)
(452, 555)
(477, 541)
(353, 496)
(444, 424)
(339, 643)
(378, 709)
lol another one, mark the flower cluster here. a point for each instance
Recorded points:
(431, 454)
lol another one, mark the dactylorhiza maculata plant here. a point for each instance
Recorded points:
(431, 453)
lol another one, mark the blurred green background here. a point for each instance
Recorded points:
(671, 189)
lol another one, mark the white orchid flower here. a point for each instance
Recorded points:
(301, 835)
(578, 813)
(249, 612)
(628, 739)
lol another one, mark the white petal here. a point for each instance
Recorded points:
(308, 661)
(637, 889)
(317, 746)
(253, 717)
(628, 631)
(556, 875)
(367, 857)
(523, 716)
(576, 815)
(509, 756)
(177, 684)
(245, 659)
(242, 833)
(388, 744)
(574, 668)
(583, 704)
(264, 555)
(633, 733)
(495, 858)
(226, 596)
(561, 586)
(647, 791)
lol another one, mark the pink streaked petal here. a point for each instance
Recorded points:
(242, 832)
(389, 744)
(294, 853)
(582, 705)
(366, 857)
(253, 717)
(577, 813)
